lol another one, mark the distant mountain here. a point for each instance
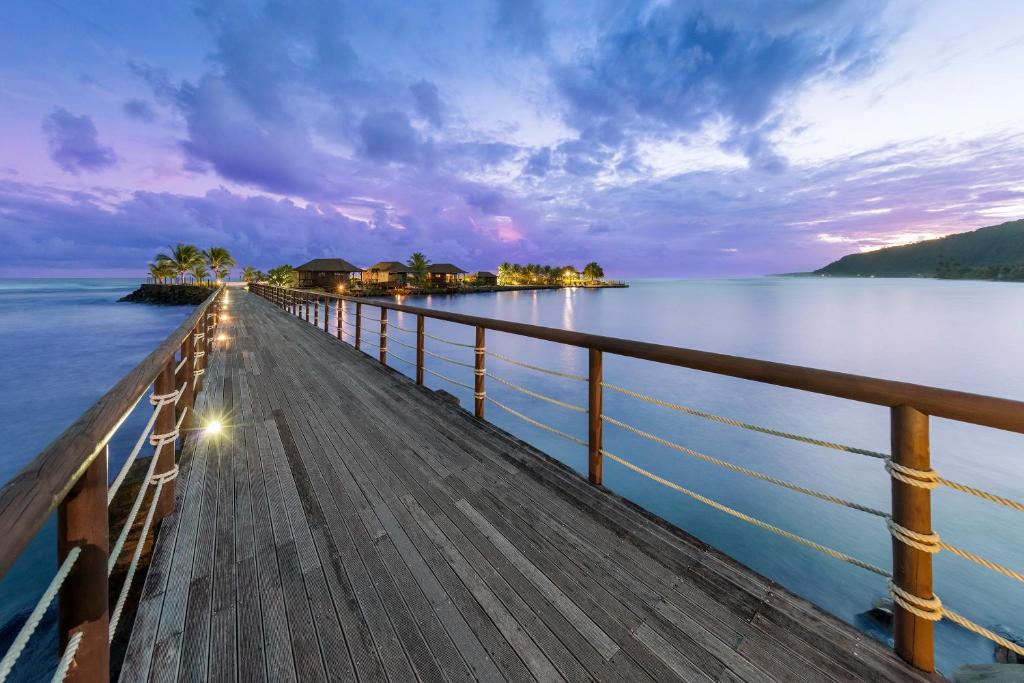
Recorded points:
(993, 253)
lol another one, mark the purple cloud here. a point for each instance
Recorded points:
(427, 101)
(388, 136)
(74, 144)
(139, 110)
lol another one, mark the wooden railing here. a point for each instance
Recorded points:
(71, 477)
(911, 405)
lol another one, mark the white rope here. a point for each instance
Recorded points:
(982, 631)
(115, 616)
(926, 543)
(401, 343)
(131, 458)
(181, 418)
(160, 400)
(449, 341)
(404, 360)
(925, 479)
(566, 375)
(449, 360)
(166, 437)
(743, 470)
(535, 423)
(198, 354)
(30, 625)
(534, 394)
(180, 365)
(115, 552)
(67, 658)
(831, 552)
(926, 608)
(743, 425)
(448, 379)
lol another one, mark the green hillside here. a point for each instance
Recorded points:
(993, 253)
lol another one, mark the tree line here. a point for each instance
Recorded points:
(533, 273)
(188, 263)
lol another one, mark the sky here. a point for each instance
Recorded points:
(718, 138)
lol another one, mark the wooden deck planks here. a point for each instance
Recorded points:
(349, 526)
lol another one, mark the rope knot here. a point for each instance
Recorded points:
(925, 479)
(165, 477)
(161, 439)
(159, 400)
(927, 543)
(926, 608)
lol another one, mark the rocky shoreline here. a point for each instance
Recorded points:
(169, 295)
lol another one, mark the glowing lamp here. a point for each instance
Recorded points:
(213, 427)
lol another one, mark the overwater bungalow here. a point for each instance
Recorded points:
(388, 273)
(328, 273)
(445, 275)
(482, 278)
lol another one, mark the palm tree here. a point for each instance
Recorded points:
(592, 271)
(199, 271)
(219, 260)
(250, 274)
(282, 276)
(419, 265)
(505, 273)
(182, 257)
(161, 271)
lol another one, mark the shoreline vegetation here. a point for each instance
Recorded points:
(992, 253)
(183, 273)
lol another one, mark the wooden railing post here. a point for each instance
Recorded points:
(339, 311)
(478, 374)
(359, 322)
(82, 522)
(316, 311)
(384, 336)
(420, 338)
(199, 360)
(327, 314)
(306, 299)
(594, 432)
(164, 436)
(912, 509)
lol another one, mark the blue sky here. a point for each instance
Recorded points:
(659, 138)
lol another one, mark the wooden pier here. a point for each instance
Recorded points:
(347, 523)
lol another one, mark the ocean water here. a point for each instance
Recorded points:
(64, 342)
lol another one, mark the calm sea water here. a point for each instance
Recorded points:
(65, 342)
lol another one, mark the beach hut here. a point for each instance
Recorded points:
(483, 278)
(388, 274)
(327, 273)
(445, 275)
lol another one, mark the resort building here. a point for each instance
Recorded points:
(482, 278)
(328, 273)
(389, 273)
(445, 274)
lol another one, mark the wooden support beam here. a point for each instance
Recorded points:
(478, 374)
(384, 336)
(82, 522)
(420, 338)
(912, 509)
(185, 377)
(359, 324)
(340, 315)
(594, 432)
(316, 311)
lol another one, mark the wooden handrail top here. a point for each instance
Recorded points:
(987, 411)
(36, 491)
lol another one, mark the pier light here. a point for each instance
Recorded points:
(213, 428)
(222, 337)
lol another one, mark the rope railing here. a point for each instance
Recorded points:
(536, 368)
(534, 394)
(395, 340)
(743, 425)
(448, 341)
(36, 616)
(66, 659)
(746, 471)
(448, 360)
(831, 552)
(397, 357)
(535, 423)
(446, 378)
(115, 552)
(115, 616)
